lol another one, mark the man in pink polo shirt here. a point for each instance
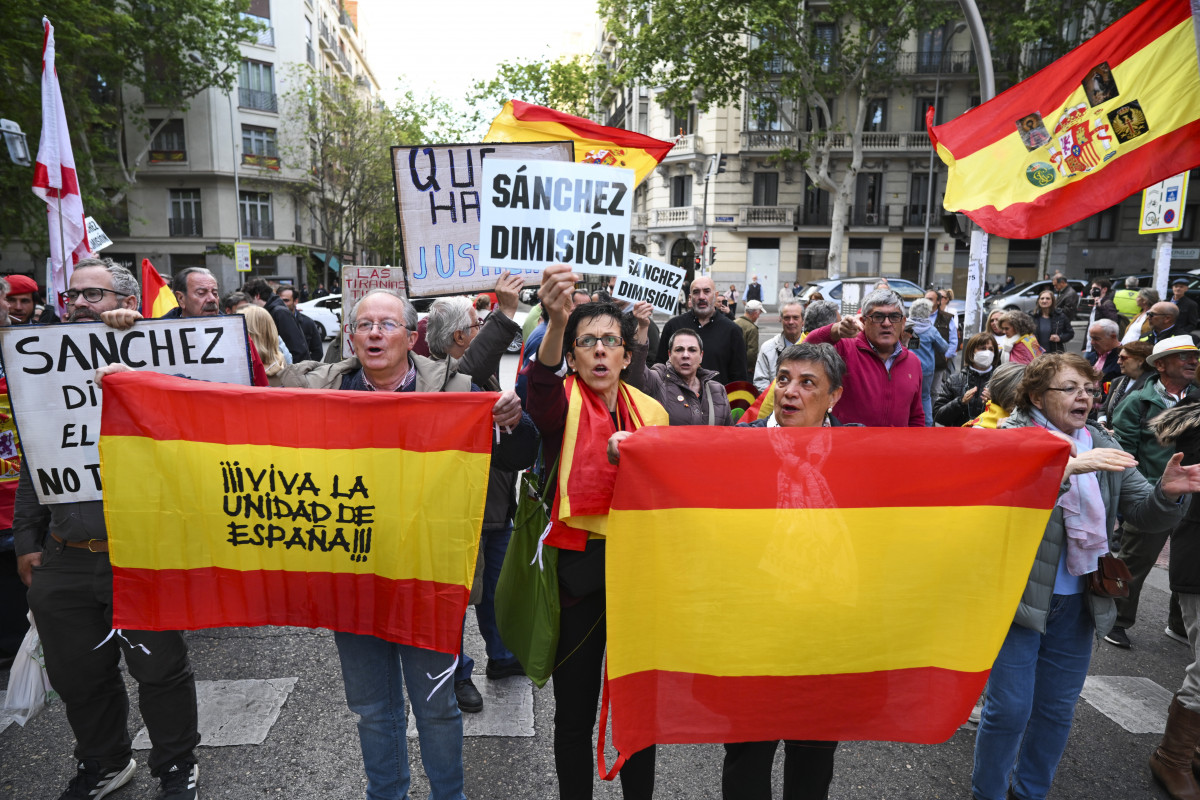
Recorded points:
(882, 387)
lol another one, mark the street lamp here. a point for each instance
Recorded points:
(937, 90)
(14, 138)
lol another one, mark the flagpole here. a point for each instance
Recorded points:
(977, 262)
(62, 255)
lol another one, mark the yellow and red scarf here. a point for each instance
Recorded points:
(585, 478)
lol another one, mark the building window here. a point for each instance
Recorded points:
(1188, 232)
(876, 115)
(681, 191)
(169, 145)
(257, 89)
(258, 147)
(257, 220)
(762, 113)
(1102, 227)
(766, 188)
(824, 40)
(816, 204)
(921, 106)
(815, 119)
(918, 197)
(867, 199)
(185, 219)
(683, 122)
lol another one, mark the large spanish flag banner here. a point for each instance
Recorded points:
(594, 143)
(157, 297)
(827, 583)
(1113, 116)
(355, 511)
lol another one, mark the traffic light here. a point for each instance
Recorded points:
(721, 159)
(712, 254)
(697, 262)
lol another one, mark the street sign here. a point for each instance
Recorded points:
(1185, 254)
(1162, 205)
(241, 254)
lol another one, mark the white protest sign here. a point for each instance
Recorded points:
(438, 191)
(538, 213)
(51, 372)
(97, 238)
(652, 281)
(357, 281)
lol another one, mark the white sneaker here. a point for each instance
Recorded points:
(1173, 635)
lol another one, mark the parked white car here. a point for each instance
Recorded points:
(325, 311)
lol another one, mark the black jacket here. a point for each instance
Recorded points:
(312, 335)
(724, 345)
(1112, 367)
(1181, 427)
(288, 329)
(1059, 324)
(1189, 314)
(949, 409)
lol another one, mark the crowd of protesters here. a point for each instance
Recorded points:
(593, 374)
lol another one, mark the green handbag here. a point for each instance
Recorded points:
(527, 608)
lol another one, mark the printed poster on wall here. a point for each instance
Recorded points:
(438, 191)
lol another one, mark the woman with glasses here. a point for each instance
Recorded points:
(1132, 360)
(1051, 326)
(1039, 672)
(579, 406)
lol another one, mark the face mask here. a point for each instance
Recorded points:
(983, 359)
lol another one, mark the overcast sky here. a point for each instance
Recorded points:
(443, 47)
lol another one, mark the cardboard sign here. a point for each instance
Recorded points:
(357, 281)
(241, 255)
(51, 371)
(652, 281)
(97, 238)
(438, 191)
(538, 213)
(1162, 205)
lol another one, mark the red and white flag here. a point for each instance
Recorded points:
(54, 181)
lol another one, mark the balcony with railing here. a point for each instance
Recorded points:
(312, 54)
(265, 35)
(343, 62)
(157, 156)
(679, 217)
(640, 221)
(258, 228)
(259, 101)
(262, 161)
(328, 40)
(185, 227)
(767, 141)
(872, 141)
(766, 216)
(947, 62)
(687, 146)
(820, 217)
(344, 18)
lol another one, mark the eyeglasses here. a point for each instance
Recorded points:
(608, 340)
(1150, 314)
(895, 318)
(387, 327)
(1078, 391)
(93, 294)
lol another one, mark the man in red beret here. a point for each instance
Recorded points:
(22, 298)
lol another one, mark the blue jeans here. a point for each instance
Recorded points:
(374, 672)
(927, 397)
(1031, 696)
(492, 546)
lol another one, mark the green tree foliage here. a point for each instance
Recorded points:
(114, 59)
(566, 85)
(804, 67)
(1026, 35)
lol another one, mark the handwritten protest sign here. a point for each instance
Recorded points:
(438, 190)
(652, 281)
(51, 372)
(537, 213)
(357, 281)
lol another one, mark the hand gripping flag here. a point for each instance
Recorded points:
(54, 181)
(795, 594)
(227, 506)
(157, 297)
(594, 144)
(1113, 116)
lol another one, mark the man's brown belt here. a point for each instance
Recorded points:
(91, 545)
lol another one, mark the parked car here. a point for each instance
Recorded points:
(832, 289)
(1025, 299)
(326, 312)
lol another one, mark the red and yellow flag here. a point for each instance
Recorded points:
(806, 590)
(594, 143)
(157, 297)
(1116, 114)
(228, 506)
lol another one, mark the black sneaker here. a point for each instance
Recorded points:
(91, 781)
(1119, 637)
(497, 670)
(179, 782)
(469, 698)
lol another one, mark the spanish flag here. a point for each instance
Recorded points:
(812, 586)
(227, 506)
(594, 144)
(157, 297)
(1113, 116)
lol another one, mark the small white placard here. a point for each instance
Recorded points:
(653, 281)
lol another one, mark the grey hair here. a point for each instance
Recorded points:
(1005, 384)
(4, 287)
(447, 316)
(1149, 295)
(791, 303)
(179, 279)
(1131, 282)
(410, 313)
(1021, 322)
(920, 309)
(1108, 326)
(122, 279)
(823, 354)
(819, 314)
(880, 297)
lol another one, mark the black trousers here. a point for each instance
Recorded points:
(71, 598)
(13, 606)
(807, 770)
(577, 682)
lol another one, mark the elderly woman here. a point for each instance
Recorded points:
(577, 411)
(1039, 672)
(1019, 345)
(964, 396)
(1134, 373)
(993, 324)
(1051, 326)
(926, 346)
(1000, 395)
(691, 394)
(1139, 327)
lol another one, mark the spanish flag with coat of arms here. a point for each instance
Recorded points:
(1113, 116)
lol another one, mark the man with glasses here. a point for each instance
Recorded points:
(1162, 318)
(882, 387)
(71, 598)
(1175, 359)
(724, 345)
(1104, 347)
